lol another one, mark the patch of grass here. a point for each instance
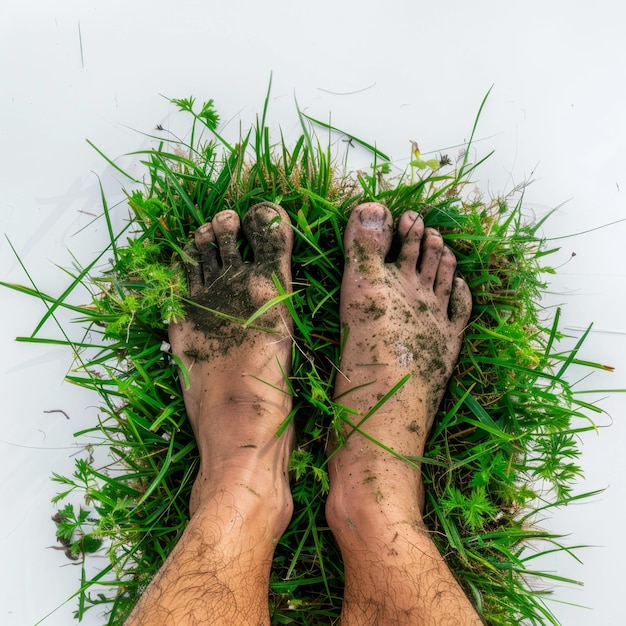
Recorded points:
(504, 444)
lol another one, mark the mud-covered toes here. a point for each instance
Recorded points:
(205, 244)
(215, 250)
(193, 268)
(201, 258)
(226, 226)
(268, 229)
(213, 241)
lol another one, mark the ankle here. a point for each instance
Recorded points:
(247, 447)
(374, 502)
(265, 513)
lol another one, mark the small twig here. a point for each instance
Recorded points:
(58, 411)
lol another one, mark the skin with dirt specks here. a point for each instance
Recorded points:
(404, 318)
(408, 318)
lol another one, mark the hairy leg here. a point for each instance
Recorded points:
(401, 318)
(237, 400)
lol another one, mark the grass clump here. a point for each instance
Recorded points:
(503, 447)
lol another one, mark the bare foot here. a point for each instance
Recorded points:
(401, 318)
(237, 398)
(398, 319)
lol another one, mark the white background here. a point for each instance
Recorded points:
(388, 72)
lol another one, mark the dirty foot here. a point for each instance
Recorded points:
(237, 397)
(403, 319)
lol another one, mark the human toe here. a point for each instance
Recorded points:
(430, 254)
(204, 249)
(268, 229)
(192, 262)
(368, 233)
(226, 226)
(460, 307)
(410, 231)
(445, 277)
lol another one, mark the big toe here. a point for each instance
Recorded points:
(368, 235)
(268, 229)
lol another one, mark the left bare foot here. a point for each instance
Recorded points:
(237, 400)
(238, 396)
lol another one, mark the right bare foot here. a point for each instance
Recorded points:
(238, 397)
(401, 318)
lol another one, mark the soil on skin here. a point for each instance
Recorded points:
(235, 292)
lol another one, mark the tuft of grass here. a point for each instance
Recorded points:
(503, 447)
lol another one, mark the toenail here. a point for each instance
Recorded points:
(224, 216)
(372, 216)
(205, 228)
(270, 214)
